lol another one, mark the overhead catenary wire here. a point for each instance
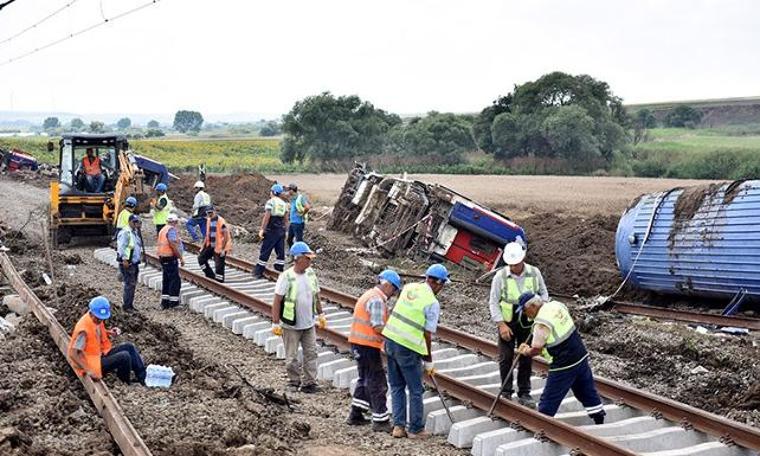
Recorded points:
(38, 23)
(80, 32)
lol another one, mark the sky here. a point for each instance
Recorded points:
(245, 56)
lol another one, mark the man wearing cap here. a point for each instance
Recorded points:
(217, 244)
(299, 214)
(122, 221)
(90, 352)
(513, 329)
(200, 201)
(296, 305)
(407, 333)
(161, 207)
(170, 250)
(558, 341)
(370, 314)
(129, 252)
(274, 225)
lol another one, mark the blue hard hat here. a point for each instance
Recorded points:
(131, 201)
(161, 187)
(100, 307)
(524, 298)
(438, 271)
(301, 248)
(392, 277)
(277, 189)
(135, 218)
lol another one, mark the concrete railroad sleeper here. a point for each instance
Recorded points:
(469, 377)
(728, 431)
(124, 434)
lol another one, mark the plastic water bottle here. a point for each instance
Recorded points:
(157, 376)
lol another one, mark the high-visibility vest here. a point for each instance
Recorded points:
(557, 318)
(288, 313)
(164, 248)
(406, 325)
(279, 207)
(130, 245)
(91, 168)
(362, 332)
(301, 207)
(218, 246)
(94, 347)
(123, 220)
(159, 217)
(510, 292)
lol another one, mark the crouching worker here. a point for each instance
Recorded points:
(370, 314)
(90, 349)
(558, 341)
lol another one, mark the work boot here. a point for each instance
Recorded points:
(381, 426)
(422, 435)
(598, 417)
(398, 432)
(526, 400)
(356, 418)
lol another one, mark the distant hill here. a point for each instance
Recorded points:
(716, 112)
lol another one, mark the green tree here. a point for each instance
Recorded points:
(153, 124)
(271, 128)
(643, 120)
(76, 124)
(506, 135)
(97, 127)
(442, 137)
(569, 131)
(185, 121)
(124, 123)
(51, 123)
(481, 126)
(683, 116)
(327, 128)
(154, 133)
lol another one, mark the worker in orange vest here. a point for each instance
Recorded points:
(90, 351)
(170, 251)
(217, 244)
(93, 172)
(370, 314)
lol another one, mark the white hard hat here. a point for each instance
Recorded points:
(199, 184)
(172, 217)
(514, 253)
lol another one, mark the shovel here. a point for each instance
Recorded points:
(440, 395)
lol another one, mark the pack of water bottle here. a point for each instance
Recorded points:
(157, 376)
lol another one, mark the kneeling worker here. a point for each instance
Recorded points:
(370, 314)
(556, 339)
(90, 349)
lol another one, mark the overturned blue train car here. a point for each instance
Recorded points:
(699, 241)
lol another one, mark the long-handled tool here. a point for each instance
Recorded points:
(445, 406)
(504, 385)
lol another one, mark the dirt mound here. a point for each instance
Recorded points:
(239, 198)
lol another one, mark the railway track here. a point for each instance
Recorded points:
(124, 434)
(638, 422)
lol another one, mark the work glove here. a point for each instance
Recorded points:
(321, 321)
(429, 368)
(277, 330)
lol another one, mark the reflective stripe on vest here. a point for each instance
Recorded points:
(510, 292)
(555, 316)
(300, 208)
(279, 207)
(130, 246)
(362, 332)
(406, 325)
(218, 247)
(94, 347)
(164, 248)
(91, 168)
(289, 305)
(159, 217)
(123, 220)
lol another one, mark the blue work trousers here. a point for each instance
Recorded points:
(194, 222)
(94, 184)
(273, 240)
(170, 282)
(372, 386)
(124, 359)
(577, 378)
(295, 233)
(405, 372)
(129, 276)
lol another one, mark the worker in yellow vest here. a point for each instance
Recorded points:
(507, 285)
(370, 314)
(558, 341)
(161, 207)
(408, 333)
(122, 221)
(296, 306)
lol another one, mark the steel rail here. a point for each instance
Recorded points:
(721, 427)
(124, 434)
(556, 431)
